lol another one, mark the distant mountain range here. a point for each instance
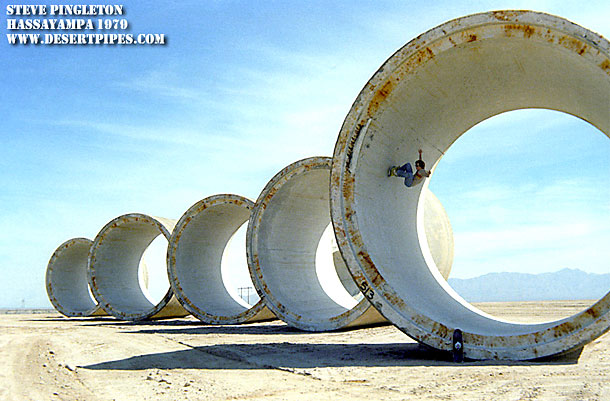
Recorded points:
(564, 284)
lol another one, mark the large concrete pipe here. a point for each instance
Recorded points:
(289, 217)
(286, 225)
(426, 95)
(66, 280)
(114, 261)
(194, 260)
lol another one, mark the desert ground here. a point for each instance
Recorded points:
(50, 357)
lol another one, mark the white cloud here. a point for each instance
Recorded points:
(162, 83)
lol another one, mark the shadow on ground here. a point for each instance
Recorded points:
(291, 356)
(277, 355)
(193, 327)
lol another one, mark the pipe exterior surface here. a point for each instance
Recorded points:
(426, 96)
(439, 235)
(114, 261)
(344, 275)
(66, 280)
(194, 260)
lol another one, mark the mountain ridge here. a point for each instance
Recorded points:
(564, 284)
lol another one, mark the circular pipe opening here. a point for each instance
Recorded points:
(194, 258)
(425, 96)
(114, 263)
(66, 279)
(528, 231)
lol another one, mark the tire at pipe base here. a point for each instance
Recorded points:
(426, 96)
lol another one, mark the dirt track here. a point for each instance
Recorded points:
(49, 357)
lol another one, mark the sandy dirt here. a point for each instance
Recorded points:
(49, 357)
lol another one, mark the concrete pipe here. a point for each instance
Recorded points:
(425, 96)
(287, 222)
(66, 280)
(194, 260)
(114, 262)
(285, 227)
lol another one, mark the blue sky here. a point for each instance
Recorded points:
(242, 89)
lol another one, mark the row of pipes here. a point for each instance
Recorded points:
(285, 226)
(425, 96)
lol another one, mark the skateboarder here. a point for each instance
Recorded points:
(406, 171)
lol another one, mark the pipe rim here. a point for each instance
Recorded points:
(562, 335)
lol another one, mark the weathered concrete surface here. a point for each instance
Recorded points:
(426, 96)
(66, 280)
(194, 260)
(114, 260)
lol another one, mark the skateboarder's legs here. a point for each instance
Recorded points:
(406, 171)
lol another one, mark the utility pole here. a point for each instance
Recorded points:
(241, 293)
